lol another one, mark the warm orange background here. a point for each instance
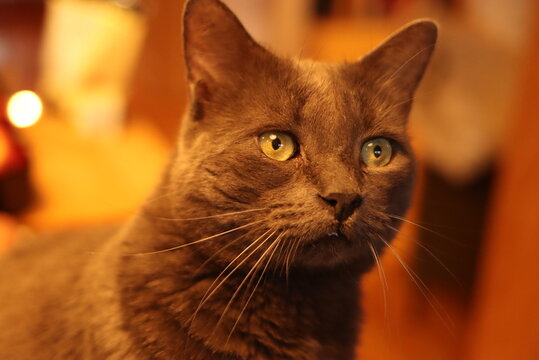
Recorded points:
(83, 180)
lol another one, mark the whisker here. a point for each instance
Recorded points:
(254, 267)
(284, 253)
(299, 243)
(281, 257)
(196, 241)
(276, 241)
(236, 292)
(288, 255)
(429, 296)
(424, 228)
(212, 216)
(417, 242)
(218, 252)
(383, 279)
(212, 290)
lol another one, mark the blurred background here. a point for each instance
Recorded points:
(92, 92)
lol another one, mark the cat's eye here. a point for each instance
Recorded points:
(376, 152)
(277, 145)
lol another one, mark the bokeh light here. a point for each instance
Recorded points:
(24, 109)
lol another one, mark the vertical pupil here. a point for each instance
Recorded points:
(276, 144)
(377, 151)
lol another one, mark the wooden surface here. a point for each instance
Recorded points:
(505, 322)
(20, 32)
(159, 90)
(80, 181)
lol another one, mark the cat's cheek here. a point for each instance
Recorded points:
(269, 175)
(398, 196)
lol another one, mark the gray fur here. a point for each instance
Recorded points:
(116, 294)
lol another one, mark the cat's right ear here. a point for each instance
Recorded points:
(217, 47)
(400, 62)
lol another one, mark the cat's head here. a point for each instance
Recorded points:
(308, 160)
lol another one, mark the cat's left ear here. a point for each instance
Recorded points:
(400, 62)
(217, 47)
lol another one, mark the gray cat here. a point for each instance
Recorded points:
(287, 178)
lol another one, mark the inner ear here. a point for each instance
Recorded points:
(217, 47)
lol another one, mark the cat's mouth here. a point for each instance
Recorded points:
(328, 249)
(335, 234)
(330, 238)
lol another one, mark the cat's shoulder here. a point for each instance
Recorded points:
(86, 239)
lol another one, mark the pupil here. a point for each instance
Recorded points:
(377, 151)
(276, 144)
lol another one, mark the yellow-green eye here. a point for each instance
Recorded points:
(376, 152)
(277, 145)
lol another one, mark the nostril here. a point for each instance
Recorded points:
(356, 202)
(329, 201)
(344, 204)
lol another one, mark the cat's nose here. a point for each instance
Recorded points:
(344, 204)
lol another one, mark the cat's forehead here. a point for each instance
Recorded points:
(316, 90)
(329, 103)
(316, 75)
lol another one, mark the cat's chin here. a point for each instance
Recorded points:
(334, 249)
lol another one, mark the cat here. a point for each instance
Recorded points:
(286, 181)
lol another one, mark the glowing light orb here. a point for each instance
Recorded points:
(24, 109)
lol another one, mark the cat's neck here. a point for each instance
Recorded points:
(167, 298)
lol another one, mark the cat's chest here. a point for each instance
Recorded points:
(277, 321)
(170, 311)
